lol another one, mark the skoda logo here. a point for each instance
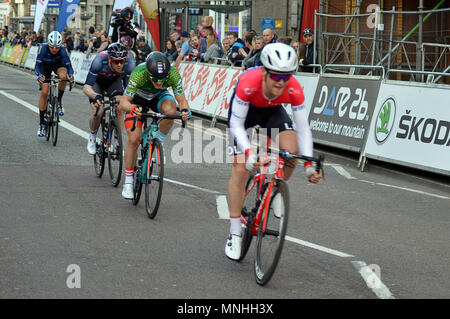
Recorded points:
(385, 120)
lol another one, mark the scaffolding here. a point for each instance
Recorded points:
(351, 42)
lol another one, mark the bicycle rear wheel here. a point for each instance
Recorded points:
(271, 238)
(155, 177)
(249, 208)
(115, 153)
(55, 122)
(100, 153)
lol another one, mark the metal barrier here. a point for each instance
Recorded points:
(429, 79)
(355, 66)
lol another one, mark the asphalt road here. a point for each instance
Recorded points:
(58, 220)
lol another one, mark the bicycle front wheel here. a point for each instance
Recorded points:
(155, 177)
(271, 233)
(100, 152)
(55, 123)
(249, 208)
(115, 153)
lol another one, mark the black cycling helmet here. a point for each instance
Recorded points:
(117, 51)
(157, 64)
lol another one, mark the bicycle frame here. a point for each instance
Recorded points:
(260, 178)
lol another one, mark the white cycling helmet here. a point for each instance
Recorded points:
(279, 57)
(55, 39)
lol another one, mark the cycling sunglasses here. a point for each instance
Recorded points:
(278, 77)
(118, 61)
(158, 79)
(53, 47)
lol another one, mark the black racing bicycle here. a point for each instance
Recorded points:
(149, 170)
(52, 114)
(110, 145)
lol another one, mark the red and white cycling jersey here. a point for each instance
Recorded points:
(249, 95)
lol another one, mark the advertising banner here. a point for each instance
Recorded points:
(208, 88)
(41, 5)
(150, 11)
(66, 11)
(411, 126)
(81, 65)
(342, 110)
(31, 57)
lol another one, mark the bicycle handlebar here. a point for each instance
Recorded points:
(59, 80)
(158, 116)
(116, 102)
(318, 160)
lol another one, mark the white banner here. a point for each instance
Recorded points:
(81, 65)
(31, 57)
(41, 5)
(411, 126)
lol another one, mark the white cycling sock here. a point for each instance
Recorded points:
(235, 226)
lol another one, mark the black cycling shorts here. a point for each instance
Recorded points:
(47, 69)
(270, 119)
(111, 88)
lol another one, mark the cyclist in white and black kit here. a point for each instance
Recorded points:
(109, 73)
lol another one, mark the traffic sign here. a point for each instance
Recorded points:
(268, 23)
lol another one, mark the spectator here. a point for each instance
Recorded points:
(185, 48)
(194, 43)
(171, 50)
(5, 32)
(226, 49)
(104, 43)
(209, 30)
(207, 21)
(308, 36)
(68, 41)
(295, 44)
(236, 44)
(143, 50)
(213, 50)
(174, 36)
(269, 36)
(248, 42)
(40, 37)
(285, 40)
(255, 56)
(178, 44)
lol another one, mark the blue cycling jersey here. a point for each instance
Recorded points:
(46, 57)
(100, 70)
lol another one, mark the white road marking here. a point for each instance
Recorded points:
(342, 171)
(191, 186)
(222, 207)
(318, 247)
(405, 189)
(35, 109)
(372, 280)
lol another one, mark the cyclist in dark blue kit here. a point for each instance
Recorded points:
(109, 73)
(52, 57)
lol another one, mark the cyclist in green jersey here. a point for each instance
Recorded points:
(147, 88)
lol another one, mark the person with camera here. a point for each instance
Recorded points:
(123, 27)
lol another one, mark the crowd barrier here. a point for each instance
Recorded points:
(398, 122)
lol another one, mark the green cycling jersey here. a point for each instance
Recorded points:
(141, 85)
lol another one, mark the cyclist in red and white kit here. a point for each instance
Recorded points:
(257, 101)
